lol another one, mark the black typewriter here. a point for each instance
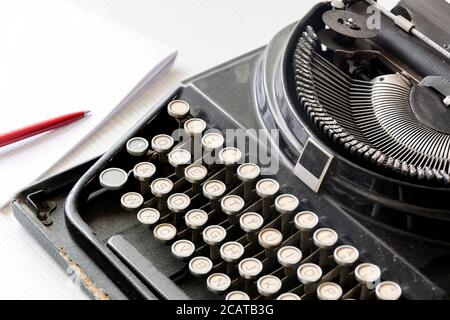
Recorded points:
(317, 167)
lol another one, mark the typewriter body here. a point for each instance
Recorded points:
(349, 201)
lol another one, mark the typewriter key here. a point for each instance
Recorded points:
(218, 283)
(113, 179)
(160, 188)
(249, 269)
(165, 232)
(214, 235)
(268, 286)
(144, 172)
(231, 252)
(345, 257)
(229, 157)
(388, 290)
(131, 201)
(309, 274)
(251, 222)
(162, 144)
(248, 173)
(137, 146)
(182, 249)
(305, 222)
(178, 203)
(213, 190)
(368, 275)
(329, 291)
(195, 220)
(200, 266)
(212, 141)
(148, 216)
(270, 239)
(195, 174)
(286, 204)
(194, 128)
(232, 206)
(324, 239)
(289, 257)
(179, 158)
(289, 296)
(178, 109)
(267, 189)
(237, 295)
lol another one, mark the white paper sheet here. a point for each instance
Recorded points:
(57, 58)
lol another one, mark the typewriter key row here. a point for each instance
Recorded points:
(235, 229)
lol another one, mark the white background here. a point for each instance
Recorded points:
(205, 33)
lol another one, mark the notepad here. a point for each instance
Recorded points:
(57, 58)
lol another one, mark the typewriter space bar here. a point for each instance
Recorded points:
(145, 270)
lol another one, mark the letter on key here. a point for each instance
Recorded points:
(131, 201)
(182, 249)
(218, 283)
(200, 266)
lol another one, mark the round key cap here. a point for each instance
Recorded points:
(268, 286)
(137, 146)
(178, 109)
(248, 173)
(289, 257)
(388, 290)
(229, 157)
(250, 268)
(165, 232)
(194, 126)
(324, 239)
(270, 239)
(305, 222)
(162, 144)
(251, 222)
(329, 291)
(200, 266)
(231, 252)
(179, 158)
(212, 141)
(195, 220)
(214, 235)
(368, 275)
(182, 249)
(144, 172)
(218, 283)
(113, 178)
(131, 201)
(178, 203)
(237, 295)
(148, 216)
(160, 188)
(289, 296)
(213, 190)
(232, 206)
(309, 274)
(345, 257)
(195, 173)
(267, 189)
(286, 204)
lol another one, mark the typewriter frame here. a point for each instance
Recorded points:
(104, 275)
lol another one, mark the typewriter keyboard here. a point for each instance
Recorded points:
(234, 228)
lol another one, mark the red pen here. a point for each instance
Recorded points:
(29, 131)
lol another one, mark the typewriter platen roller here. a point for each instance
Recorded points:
(317, 167)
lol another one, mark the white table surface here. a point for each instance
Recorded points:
(205, 33)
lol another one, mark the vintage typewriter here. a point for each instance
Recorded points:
(317, 167)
